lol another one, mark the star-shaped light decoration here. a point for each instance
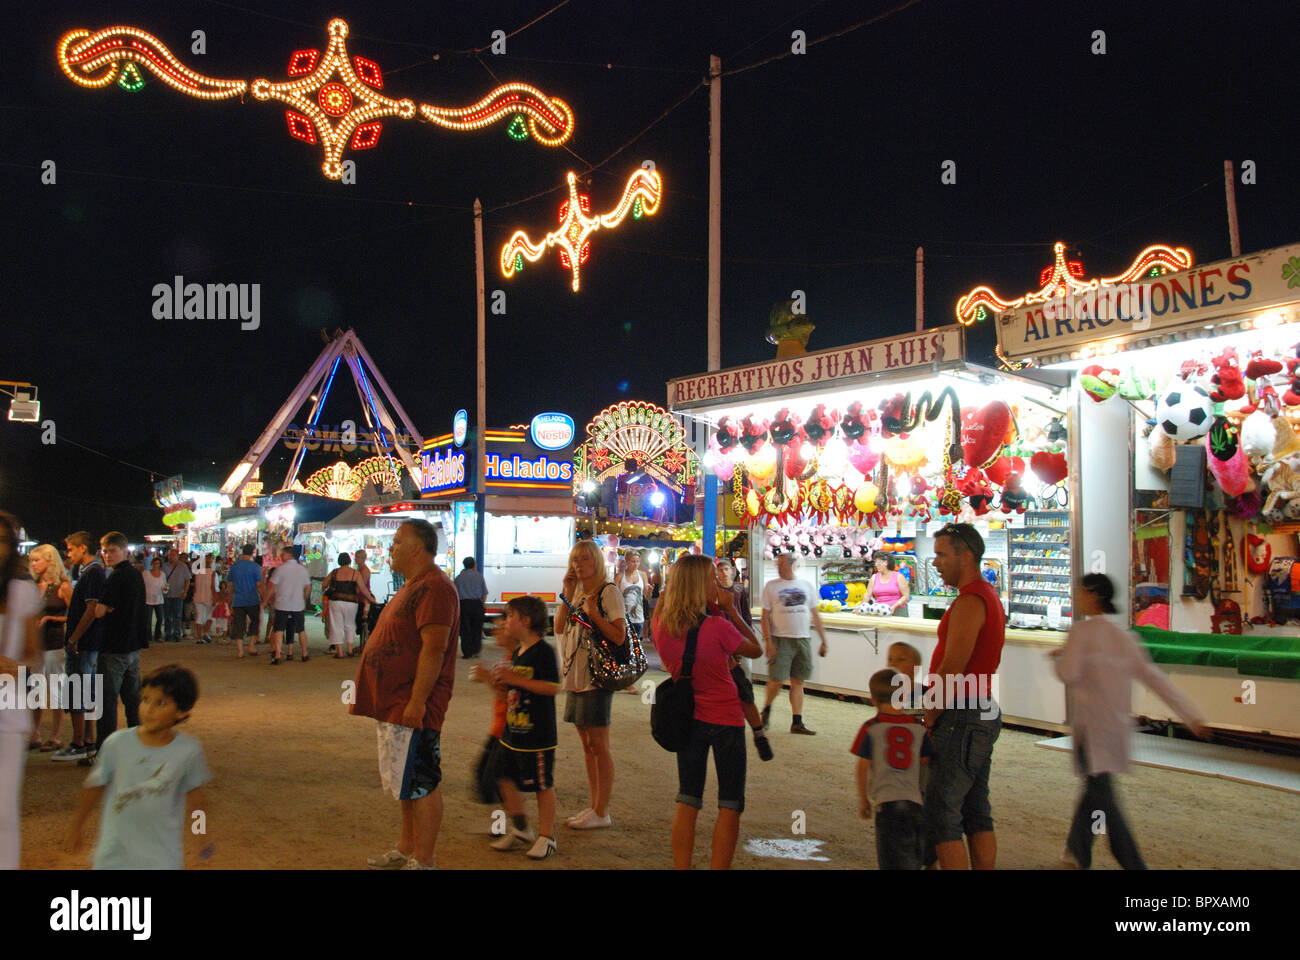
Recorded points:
(1061, 279)
(641, 195)
(329, 103)
(332, 100)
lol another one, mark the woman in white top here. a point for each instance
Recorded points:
(20, 601)
(1098, 664)
(155, 590)
(588, 602)
(56, 593)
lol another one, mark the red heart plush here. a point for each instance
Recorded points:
(1002, 467)
(1049, 467)
(983, 432)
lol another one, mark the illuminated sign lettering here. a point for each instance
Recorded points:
(552, 431)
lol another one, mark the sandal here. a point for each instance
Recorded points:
(49, 746)
(352, 653)
(33, 744)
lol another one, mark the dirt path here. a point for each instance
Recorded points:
(295, 786)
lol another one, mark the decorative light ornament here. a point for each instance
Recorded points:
(332, 100)
(644, 187)
(1060, 279)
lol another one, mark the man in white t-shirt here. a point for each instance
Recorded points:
(292, 585)
(789, 606)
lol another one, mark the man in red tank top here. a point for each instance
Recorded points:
(963, 716)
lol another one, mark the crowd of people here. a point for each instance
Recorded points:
(923, 761)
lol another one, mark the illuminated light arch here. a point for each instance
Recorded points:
(92, 60)
(510, 100)
(341, 482)
(641, 196)
(331, 99)
(640, 431)
(1061, 279)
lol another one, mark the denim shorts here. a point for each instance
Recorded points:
(728, 745)
(957, 796)
(900, 835)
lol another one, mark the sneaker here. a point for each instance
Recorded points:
(543, 848)
(1069, 861)
(592, 822)
(87, 761)
(73, 751)
(414, 864)
(800, 728)
(392, 860)
(275, 661)
(762, 745)
(513, 837)
(582, 814)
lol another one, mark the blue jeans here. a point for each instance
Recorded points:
(83, 664)
(121, 678)
(900, 835)
(957, 796)
(175, 607)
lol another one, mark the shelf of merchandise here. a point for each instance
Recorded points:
(1039, 569)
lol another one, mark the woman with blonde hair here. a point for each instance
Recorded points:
(694, 611)
(589, 603)
(56, 593)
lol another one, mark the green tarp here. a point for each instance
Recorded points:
(1250, 655)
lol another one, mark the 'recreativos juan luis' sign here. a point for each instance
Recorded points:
(814, 371)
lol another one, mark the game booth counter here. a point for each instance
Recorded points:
(525, 514)
(840, 455)
(1187, 383)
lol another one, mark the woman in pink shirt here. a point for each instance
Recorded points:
(887, 585)
(693, 603)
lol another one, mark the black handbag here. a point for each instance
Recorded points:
(673, 709)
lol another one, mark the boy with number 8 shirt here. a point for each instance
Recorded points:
(892, 747)
(532, 679)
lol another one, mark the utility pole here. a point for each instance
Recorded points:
(710, 525)
(920, 289)
(480, 401)
(1230, 186)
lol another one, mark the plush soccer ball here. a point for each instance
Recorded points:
(1185, 411)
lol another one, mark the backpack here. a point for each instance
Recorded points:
(673, 709)
(1283, 585)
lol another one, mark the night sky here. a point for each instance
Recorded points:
(831, 178)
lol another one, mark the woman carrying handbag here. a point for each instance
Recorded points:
(589, 603)
(694, 603)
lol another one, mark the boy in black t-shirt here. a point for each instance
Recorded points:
(532, 679)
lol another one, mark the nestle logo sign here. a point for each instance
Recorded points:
(552, 431)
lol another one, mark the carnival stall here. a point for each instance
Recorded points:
(527, 503)
(867, 450)
(1188, 388)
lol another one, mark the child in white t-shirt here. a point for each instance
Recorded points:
(146, 777)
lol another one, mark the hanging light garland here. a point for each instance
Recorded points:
(331, 100)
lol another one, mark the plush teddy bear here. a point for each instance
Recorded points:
(1227, 382)
(919, 501)
(1013, 497)
(974, 486)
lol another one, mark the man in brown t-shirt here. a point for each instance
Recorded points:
(404, 681)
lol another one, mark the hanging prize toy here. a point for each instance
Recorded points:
(1051, 470)
(984, 433)
(1099, 383)
(949, 495)
(1013, 497)
(784, 433)
(1197, 555)
(1226, 458)
(1229, 566)
(859, 428)
(1227, 382)
(723, 444)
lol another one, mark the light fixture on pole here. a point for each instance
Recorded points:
(23, 407)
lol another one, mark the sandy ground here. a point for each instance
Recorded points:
(295, 786)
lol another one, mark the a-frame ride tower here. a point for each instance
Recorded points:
(341, 347)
